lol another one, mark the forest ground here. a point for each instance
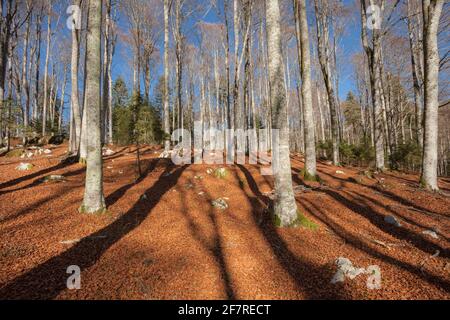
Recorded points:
(173, 244)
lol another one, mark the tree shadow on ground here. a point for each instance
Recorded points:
(48, 279)
(32, 176)
(215, 249)
(357, 243)
(300, 270)
(387, 194)
(150, 166)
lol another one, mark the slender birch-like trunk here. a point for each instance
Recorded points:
(94, 201)
(374, 59)
(432, 10)
(416, 84)
(285, 208)
(166, 76)
(301, 27)
(47, 57)
(74, 98)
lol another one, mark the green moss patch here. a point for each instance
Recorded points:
(306, 176)
(16, 153)
(301, 222)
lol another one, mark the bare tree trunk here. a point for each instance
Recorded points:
(94, 201)
(374, 60)
(25, 84)
(47, 56)
(37, 63)
(63, 92)
(416, 85)
(432, 10)
(166, 76)
(285, 208)
(236, 111)
(106, 65)
(305, 71)
(179, 62)
(110, 97)
(324, 60)
(74, 98)
(84, 127)
(227, 63)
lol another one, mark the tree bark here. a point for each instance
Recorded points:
(74, 97)
(432, 11)
(374, 60)
(47, 57)
(416, 84)
(324, 61)
(305, 71)
(285, 207)
(166, 76)
(94, 201)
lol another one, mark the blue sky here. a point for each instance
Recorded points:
(350, 44)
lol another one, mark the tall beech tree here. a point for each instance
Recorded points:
(301, 27)
(374, 61)
(285, 207)
(94, 201)
(431, 10)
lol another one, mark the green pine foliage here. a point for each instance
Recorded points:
(134, 120)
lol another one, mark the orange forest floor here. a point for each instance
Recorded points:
(162, 238)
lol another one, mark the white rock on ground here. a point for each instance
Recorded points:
(220, 204)
(70, 241)
(340, 172)
(24, 166)
(431, 233)
(346, 270)
(392, 220)
(108, 152)
(54, 177)
(166, 155)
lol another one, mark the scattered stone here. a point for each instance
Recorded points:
(54, 178)
(221, 173)
(166, 155)
(108, 152)
(201, 193)
(374, 279)
(189, 186)
(220, 204)
(346, 270)
(392, 220)
(340, 172)
(300, 188)
(144, 197)
(209, 171)
(24, 166)
(368, 174)
(431, 233)
(70, 241)
(47, 151)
